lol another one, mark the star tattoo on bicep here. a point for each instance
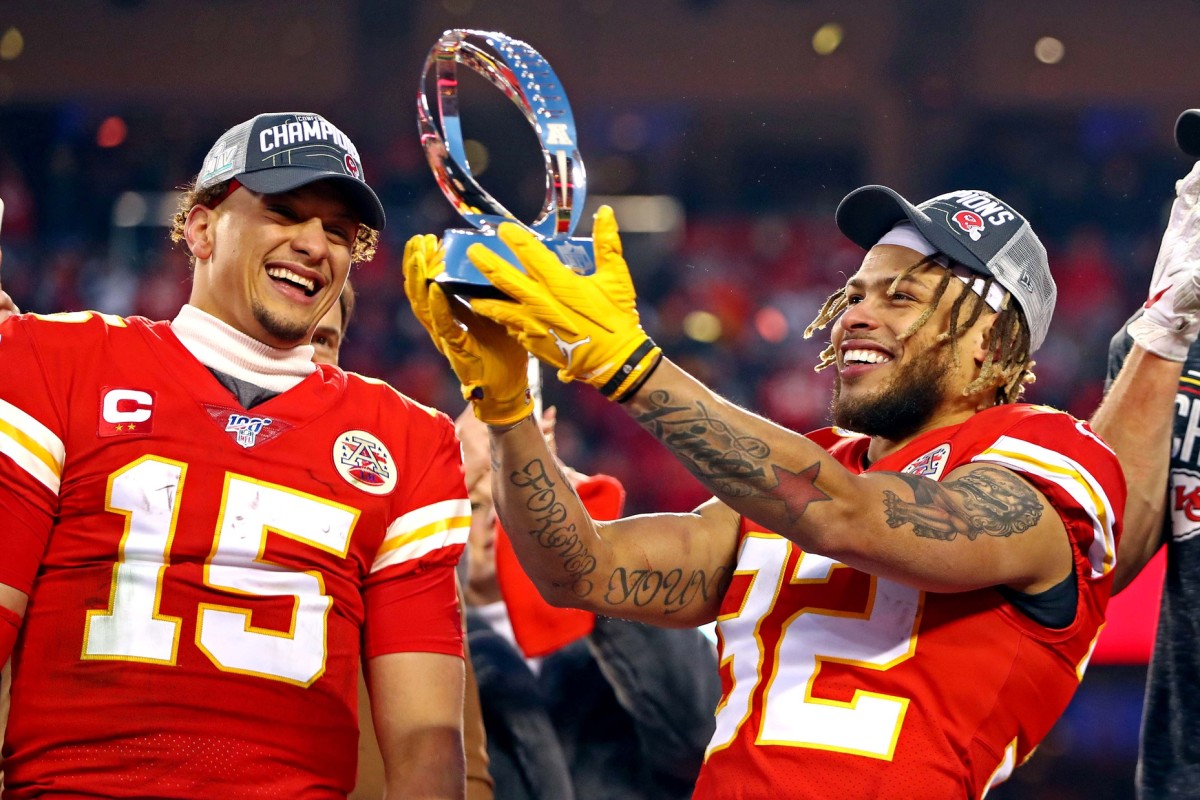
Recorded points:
(798, 490)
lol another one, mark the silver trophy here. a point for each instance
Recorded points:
(526, 78)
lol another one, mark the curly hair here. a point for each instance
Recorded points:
(1008, 365)
(362, 251)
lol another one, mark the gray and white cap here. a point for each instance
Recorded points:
(971, 227)
(278, 152)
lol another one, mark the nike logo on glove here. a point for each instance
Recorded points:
(567, 348)
(1157, 297)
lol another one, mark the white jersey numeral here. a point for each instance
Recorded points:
(148, 492)
(877, 637)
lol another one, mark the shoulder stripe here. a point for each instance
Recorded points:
(1072, 477)
(33, 446)
(424, 530)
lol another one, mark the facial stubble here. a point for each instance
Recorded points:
(903, 405)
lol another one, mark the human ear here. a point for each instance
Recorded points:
(979, 336)
(197, 231)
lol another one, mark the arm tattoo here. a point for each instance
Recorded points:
(730, 463)
(643, 587)
(540, 492)
(711, 450)
(989, 501)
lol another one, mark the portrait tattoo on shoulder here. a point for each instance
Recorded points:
(987, 501)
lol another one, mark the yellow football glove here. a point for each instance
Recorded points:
(490, 365)
(586, 325)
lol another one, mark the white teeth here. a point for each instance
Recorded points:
(288, 275)
(865, 357)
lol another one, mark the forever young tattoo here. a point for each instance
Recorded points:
(675, 589)
(987, 501)
(541, 497)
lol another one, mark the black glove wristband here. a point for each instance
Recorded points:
(625, 369)
(641, 380)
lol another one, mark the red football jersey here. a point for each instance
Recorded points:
(206, 575)
(837, 683)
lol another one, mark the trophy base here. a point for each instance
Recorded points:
(462, 278)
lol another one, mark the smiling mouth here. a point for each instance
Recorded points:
(306, 285)
(855, 357)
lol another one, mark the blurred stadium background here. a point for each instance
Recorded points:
(724, 132)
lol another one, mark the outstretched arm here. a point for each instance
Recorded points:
(1144, 390)
(1137, 414)
(981, 525)
(669, 569)
(588, 327)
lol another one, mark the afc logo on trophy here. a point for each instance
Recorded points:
(527, 79)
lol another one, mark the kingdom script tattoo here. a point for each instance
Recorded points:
(725, 460)
(541, 497)
(644, 587)
(988, 501)
(730, 463)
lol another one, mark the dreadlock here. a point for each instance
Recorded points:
(1007, 361)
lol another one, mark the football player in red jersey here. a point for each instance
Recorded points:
(906, 602)
(206, 530)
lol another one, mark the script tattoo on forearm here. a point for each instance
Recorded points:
(675, 587)
(541, 497)
(730, 463)
(988, 501)
(709, 447)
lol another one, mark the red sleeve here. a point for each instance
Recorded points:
(31, 455)
(418, 613)
(410, 598)
(1077, 472)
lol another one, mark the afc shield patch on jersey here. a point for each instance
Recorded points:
(931, 464)
(1184, 501)
(364, 462)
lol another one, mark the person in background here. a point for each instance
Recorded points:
(598, 709)
(905, 603)
(1151, 417)
(176, 537)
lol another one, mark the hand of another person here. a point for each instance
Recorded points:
(489, 364)
(7, 307)
(1171, 319)
(585, 325)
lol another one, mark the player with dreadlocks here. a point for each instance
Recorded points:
(1007, 346)
(903, 610)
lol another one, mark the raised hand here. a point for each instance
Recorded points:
(491, 366)
(585, 325)
(1171, 319)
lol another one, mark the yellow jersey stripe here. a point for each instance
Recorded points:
(33, 446)
(424, 532)
(1071, 476)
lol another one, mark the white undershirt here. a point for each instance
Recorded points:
(221, 347)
